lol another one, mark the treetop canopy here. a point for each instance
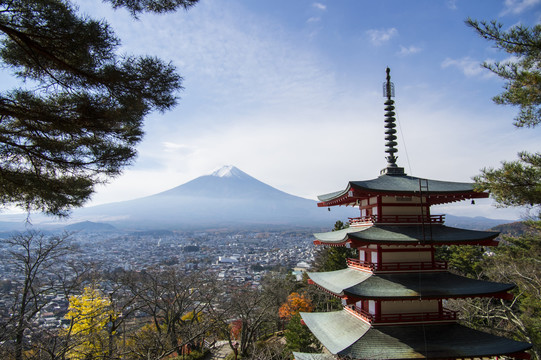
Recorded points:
(78, 118)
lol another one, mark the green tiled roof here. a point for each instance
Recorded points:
(365, 285)
(402, 184)
(411, 184)
(430, 342)
(337, 236)
(307, 356)
(337, 281)
(336, 331)
(424, 285)
(396, 234)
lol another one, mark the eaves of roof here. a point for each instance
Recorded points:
(405, 286)
(345, 335)
(403, 184)
(435, 234)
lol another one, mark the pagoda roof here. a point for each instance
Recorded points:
(435, 234)
(338, 280)
(407, 286)
(345, 335)
(402, 185)
(308, 356)
(336, 330)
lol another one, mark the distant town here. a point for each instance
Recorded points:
(240, 257)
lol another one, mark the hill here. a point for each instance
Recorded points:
(513, 229)
(89, 226)
(473, 223)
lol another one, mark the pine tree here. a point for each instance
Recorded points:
(516, 183)
(79, 115)
(523, 75)
(299, 337)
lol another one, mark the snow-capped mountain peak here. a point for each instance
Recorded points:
(227, 171)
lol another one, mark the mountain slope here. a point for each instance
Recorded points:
(226, 198)
(228, 182)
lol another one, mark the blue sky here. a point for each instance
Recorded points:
(291, 92)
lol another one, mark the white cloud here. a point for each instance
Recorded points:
(451, 4)
(313, 19)
(518, 6)
(319, 6)
(467, 65)
(511, 59)
(225, 52)
(378, 37)
(171, 147)
(405, 51)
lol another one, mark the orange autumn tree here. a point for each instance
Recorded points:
(236, 327)
(295, 303)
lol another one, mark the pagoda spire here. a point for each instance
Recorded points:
(390, 131)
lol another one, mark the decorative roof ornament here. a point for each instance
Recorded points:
(390, 124)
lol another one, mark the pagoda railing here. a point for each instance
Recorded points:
(444, 315)
(364, 265)
(397, 266)
(396, 219)
(365, 315)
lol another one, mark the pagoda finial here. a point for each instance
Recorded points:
(388, 87)
(390, 124)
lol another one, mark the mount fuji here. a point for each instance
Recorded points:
(226, 198)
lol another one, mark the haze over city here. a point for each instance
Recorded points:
(290, 92)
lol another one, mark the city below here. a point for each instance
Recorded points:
(239, 257)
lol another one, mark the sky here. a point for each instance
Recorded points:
(290, 92)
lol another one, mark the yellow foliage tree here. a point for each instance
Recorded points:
(295, 303)
(190, 316)
(89, 314)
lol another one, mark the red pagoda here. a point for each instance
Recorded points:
(394, 292)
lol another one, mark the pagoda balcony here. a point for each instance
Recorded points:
(444, 315)
(363, 314)
(359, 264)
(396, 219)
(397, 266)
